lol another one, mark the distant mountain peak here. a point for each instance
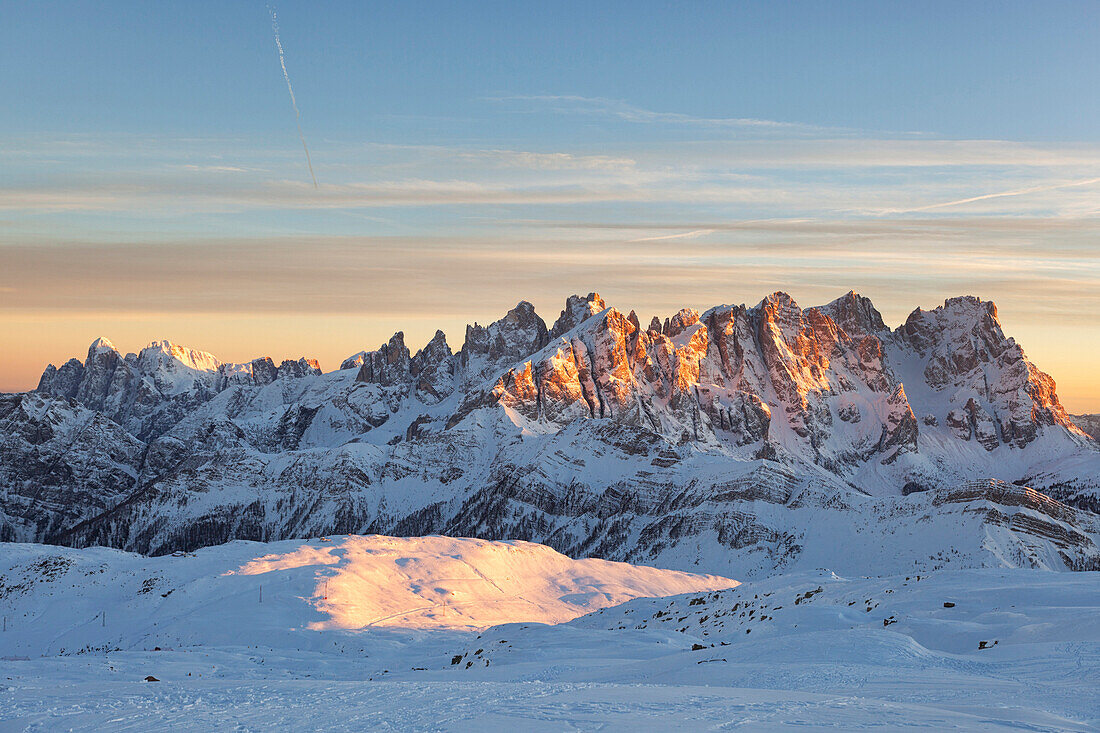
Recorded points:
(577, 310)
(101, 344)
(190, 358)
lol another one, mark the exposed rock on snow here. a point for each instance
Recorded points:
(62, 463)
(1005, 397)
(389, 365)
(150, 392)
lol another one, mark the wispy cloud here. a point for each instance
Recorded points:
(215, 168)
(626, 112)
(682, 235)
(254, 275)
(546, 161)
(292, 195)
(884, 226)
(1001, 194)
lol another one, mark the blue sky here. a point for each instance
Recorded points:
(470, 155)
(426, 71)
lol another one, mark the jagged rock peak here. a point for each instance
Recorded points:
(778, 300)
(301, 368)
(46, 380)
(98, 373)
(523, 315)
(101, 344)
(855, 314)
(389, 365)
(780, 314)
(685, 319)
(488, 350)
(259, 371)
(970, 303)
(396, 343)
(923, 328)
(577, 310)
(262, 371)
(997, 395)
(63, 381)
(433, 370)
(435, 351)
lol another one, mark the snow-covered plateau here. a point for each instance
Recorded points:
(381, 633)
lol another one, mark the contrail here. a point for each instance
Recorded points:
(1002, 194)
(684, 235)
(293, 101)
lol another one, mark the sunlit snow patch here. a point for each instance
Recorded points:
(443, 582)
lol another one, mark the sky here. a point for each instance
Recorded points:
(153, 184)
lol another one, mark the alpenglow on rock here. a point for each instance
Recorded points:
(742, 438)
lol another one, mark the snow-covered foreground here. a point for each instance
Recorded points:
(63, 601)
(797, 651)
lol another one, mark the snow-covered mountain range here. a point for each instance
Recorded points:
(797, 437)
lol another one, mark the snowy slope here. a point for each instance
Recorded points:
(246, 592)
(797, 651)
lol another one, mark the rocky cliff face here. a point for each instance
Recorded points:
(489, 349)
(996, 395)
(820, 383)
(680, 442)
(61, 464)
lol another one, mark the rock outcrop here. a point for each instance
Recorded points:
(577, 310)
(988, 381)
(490, 349)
